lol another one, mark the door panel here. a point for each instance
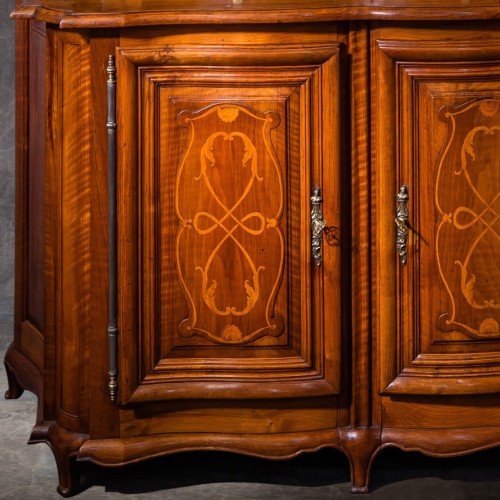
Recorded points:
(441, 334)
(217, 274)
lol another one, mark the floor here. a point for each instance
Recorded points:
(29, 472)
(6, 157)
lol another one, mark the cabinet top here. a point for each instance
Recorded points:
(122, 13)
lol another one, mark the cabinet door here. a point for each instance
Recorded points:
(438, 133)
(219, 151)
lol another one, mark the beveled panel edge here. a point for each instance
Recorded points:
(246, 55)
(232, 389)
(476, 382)
(439, 50)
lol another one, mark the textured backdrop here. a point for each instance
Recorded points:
(6, 158)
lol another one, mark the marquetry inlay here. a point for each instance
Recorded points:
(230, 248)
(468, 230)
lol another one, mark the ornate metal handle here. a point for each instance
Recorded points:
(402, 223)
(317, 226)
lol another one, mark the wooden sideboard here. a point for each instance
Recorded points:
(260, 227)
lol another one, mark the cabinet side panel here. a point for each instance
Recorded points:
(75, 215)
(22, 99)
(36, 175)
(68, 224)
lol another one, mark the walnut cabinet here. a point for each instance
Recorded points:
(264, 228)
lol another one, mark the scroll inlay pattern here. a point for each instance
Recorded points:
(217, 222)
(468, 229)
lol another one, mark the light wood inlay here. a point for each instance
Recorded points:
(230, 250)
(468, 231)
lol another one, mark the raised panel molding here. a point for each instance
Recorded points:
(439, 353)
(204, 228)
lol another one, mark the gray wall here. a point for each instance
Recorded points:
(6, 158)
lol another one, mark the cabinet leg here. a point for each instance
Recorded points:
(22, 375)
(15, 390)
(360, 446)
(69, 475)
(64, 446)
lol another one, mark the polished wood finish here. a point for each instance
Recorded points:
(448, 326)
(115, 13)
(437, 332)
(223, 277)
(229, 336)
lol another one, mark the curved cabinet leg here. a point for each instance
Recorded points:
(64, 446)
(15, 390)
(23, 375)
(69, 476)
(360, 446)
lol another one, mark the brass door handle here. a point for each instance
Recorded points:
(402, 223)
(317, 226)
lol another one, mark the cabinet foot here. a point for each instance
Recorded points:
(69, 476)
(15, 390)
(64, 446)
(22, 375)
(360, 446)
